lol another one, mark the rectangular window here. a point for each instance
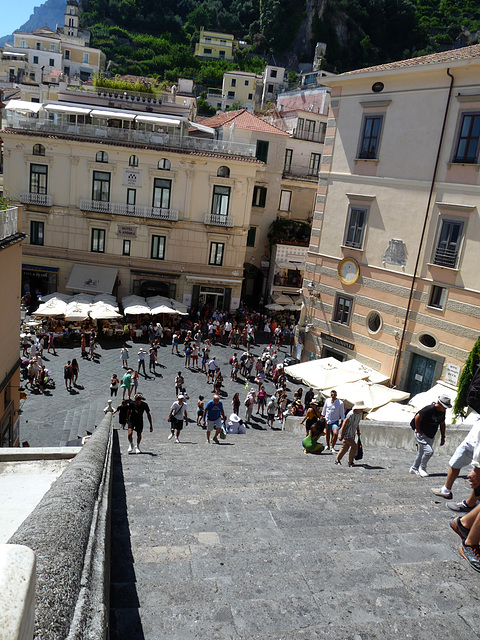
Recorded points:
(220, 200)
(38, 178)
(250, 96)
(270, 88)
(67, 54)
(23, 44)
(273, 73)
(221, 54)
(287, 164)
(259, 196)
(126, 248)
(216, 253)
(101, 186)
(66, 71)
(207, 51)
(36, 232)
(247, 82)
(233, 82)
(231, 94)
(285, 198)
(438, 297)
(98, 241)
(468, 139)
(53, 47)
(251, 236)
(262, 150)
(314, 166)
(370, 142)
(51, 62)
(355, 231)
(38, 46)
(343, 310)
(131, 196)
(158, 248)
(309, 129)
(35, 59)
(85, 58)
(161, 193)
(448, 244)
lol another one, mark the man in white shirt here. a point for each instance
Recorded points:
(212, 367)
(334, 413)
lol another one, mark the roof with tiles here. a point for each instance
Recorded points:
(454, 55)
(243, 119)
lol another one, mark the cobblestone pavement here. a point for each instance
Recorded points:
(252, 539)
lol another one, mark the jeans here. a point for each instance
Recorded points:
(424, 452)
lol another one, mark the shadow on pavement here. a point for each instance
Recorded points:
(125, 623)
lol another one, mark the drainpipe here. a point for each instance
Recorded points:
(424, 231)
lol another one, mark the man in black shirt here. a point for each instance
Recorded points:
(425, 425)
(135, 413)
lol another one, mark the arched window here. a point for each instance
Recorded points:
(38, 150)
(164, 164)
(223, 172)
(133, 161)
(101, 156)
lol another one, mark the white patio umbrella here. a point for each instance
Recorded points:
(107, 298)
(373, 395)
(82, 297)
(60, 296)
(179, 306)
(77, 311)
(103, 311)
(274, 307)
(322, 373)
(355, 365)
(392, 412)
(282, 299)
(159, 304)
(135, 305)
(53, 307)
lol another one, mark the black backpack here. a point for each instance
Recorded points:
(473, 393)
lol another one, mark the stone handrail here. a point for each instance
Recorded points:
(69, 531)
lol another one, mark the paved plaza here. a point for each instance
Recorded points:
(252, 539)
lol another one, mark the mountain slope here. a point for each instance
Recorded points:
(49, 13)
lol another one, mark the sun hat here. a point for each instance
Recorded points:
(234, 418)
(180, 396)
(360, 405)
(445, 401)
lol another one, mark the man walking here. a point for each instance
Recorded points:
(334, 413)
(214, 414)
(176, 416)
(425, 425)
(135, 413)
(141, 361)
(350, 427)
(212, 367)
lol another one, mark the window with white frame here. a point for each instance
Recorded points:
(285, 200)
(437, 298)
(355, 229)
(216, 253)
(158, 248)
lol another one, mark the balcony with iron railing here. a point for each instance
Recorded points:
(132, 210)
(8, 223)
(40, 199)
(445, 257)
(94, 131)
(300, 173)
(312, 136)
(217, 220)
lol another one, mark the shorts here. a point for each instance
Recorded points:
(214, 424)
(271, 416)
(333, 425)
(461, 458)
(137, 428)
(176, 424)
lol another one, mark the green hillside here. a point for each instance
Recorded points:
(157, 38)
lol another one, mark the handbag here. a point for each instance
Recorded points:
(359, 454)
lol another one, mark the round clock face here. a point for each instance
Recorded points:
(348, 271)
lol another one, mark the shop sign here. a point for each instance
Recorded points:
(132, 177)
(339, 341)
(452, 373)
(126, 231)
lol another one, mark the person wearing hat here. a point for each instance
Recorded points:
(136, 409)
(235, 424)
(425, 425)
(350, 427)
(176, 415)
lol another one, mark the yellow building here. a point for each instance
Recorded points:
(10, 266)
(241, 87)
(131, 196)
(215, 45)
(392, 269)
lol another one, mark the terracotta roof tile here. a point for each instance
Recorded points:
(243, 119)
(453, 55)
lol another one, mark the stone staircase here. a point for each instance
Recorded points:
(82, 419)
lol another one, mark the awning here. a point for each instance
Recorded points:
(65, 108)
(290, 264)
(23, 105)
(119, 115)
(14, 54)
(202, 127)
(173, 122)
(215, 280)
(90, 278)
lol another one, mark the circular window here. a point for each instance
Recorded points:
(377, 87)
(374, 322)
(428, 340)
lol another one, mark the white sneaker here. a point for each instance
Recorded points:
(177, 441)
(414, 471)
(170, 436)
(137, 449)
(423, 473)
(130, 448)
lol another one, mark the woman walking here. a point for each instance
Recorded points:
(236, 404)
(75, 369)
(124, 357)
(114, 384)
(127, 384)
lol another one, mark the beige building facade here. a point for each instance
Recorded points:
(10, 265)
(132, 192)
(392, 273)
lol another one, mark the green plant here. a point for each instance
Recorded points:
(295, 231)
(471, 364)
(5, 202)
(120, 85)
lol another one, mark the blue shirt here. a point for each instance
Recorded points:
(214, 411)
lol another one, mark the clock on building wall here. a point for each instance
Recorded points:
(348, 271)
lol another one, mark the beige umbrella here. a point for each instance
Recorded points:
(53, 307)
(322, 375)
(373, 395)
(77, 311)
(103, 311)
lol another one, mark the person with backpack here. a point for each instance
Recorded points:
(425, 425)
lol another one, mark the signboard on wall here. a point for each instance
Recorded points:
(339, 341)
(126, 231)
(131, 177)
(234, 304)
(452, 373)
(187, 299)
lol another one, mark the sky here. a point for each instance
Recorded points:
(15, 13)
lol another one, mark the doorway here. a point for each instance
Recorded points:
(422, 372)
